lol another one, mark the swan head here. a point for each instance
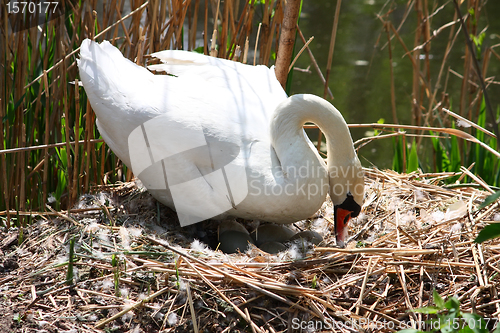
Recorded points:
(346, 192)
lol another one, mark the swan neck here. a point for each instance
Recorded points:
(343, 171)
(297, 110)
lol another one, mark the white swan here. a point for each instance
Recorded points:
(219, 137)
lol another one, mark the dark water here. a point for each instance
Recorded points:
(360, 76)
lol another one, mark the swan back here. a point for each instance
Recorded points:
(227, 99)
(242, 80)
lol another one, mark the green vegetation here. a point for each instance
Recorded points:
(491, 230)
(71, 260)
(434, 104)
(449, 318)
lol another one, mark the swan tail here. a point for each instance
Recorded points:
(108, 77)
(120, 92)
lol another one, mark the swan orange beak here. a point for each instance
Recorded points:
(342, 217)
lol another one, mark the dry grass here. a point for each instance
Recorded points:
(129, 275)
(133, 274)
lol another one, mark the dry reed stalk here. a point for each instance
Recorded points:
(181, 18)
(92, 152)
(477, 180)
(20, 133)
(270, 28)
(363, 288)
(102, 178)
(333, 37)
(451, 41)
(46, 136)
(415, 57)
(3, 112)
(404, 145)
(232, 43)
(451, 131)
(286, 41)
(132, 307)
(191, 308)
(475, 64)
(465, 81)
(264, 31)
(87, 147)
(64, 216)
(315, 63)
(473, 124)
(247, 27)
(43, 147)
(213, 50)
(391, 73)
(205, 31)
(22, 176)
(75, 181)
(67, 139)
(256, 44)
(194, 26)
(153, 40)
(306, 45)
(225, 30)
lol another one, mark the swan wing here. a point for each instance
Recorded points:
(244, 83)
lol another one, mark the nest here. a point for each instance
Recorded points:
(133, 269)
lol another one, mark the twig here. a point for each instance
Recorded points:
(132, 307)
(299, 53)
(476, 179)
(473, 124)
(53, 145)
(256, 44)
(191, 308)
